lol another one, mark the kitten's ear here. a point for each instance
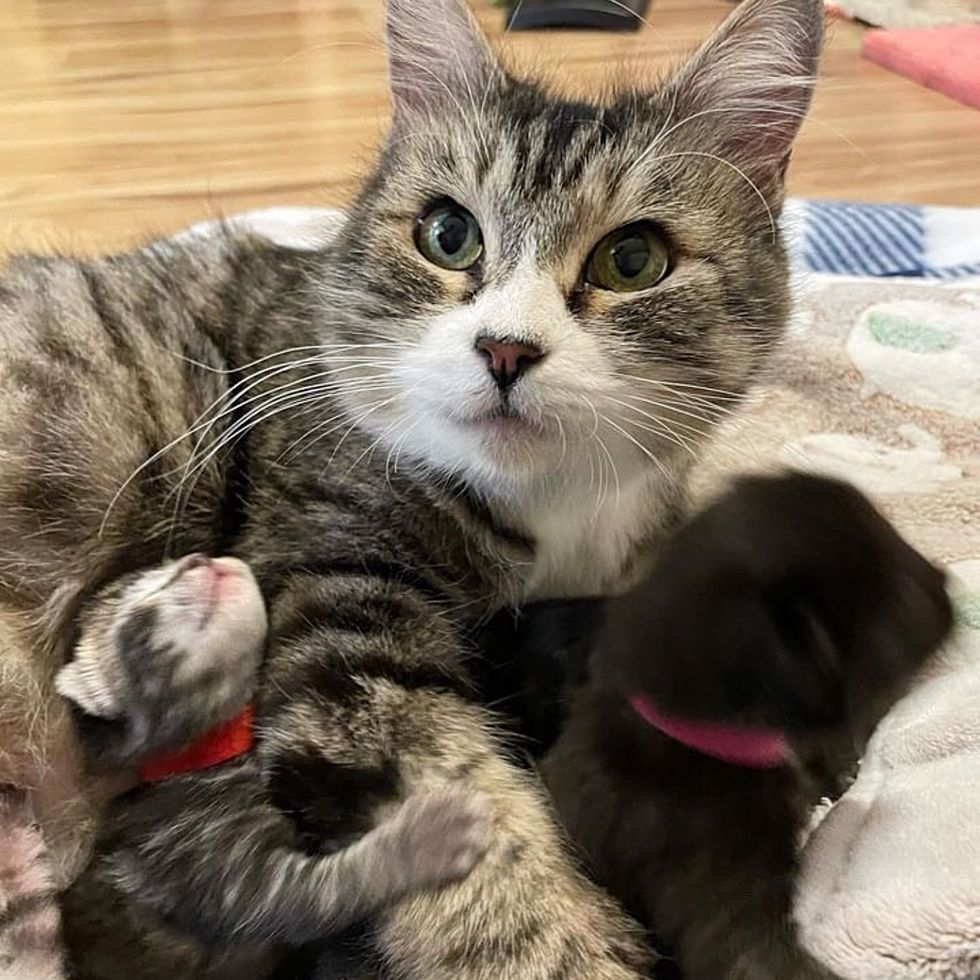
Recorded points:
(81, 682)
(750, 84)
(438, 59)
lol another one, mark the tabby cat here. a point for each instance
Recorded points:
(488, 389)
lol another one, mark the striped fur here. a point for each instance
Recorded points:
(321, 416)
(30, 946)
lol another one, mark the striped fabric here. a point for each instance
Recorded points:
(842, 238)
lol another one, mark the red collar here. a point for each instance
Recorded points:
(752, 748)
(228, 740)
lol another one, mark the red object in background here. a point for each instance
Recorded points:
(228, 741)
(946, 59)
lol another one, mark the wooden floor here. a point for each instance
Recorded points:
(123, 117)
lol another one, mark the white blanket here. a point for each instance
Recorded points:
(891, 878)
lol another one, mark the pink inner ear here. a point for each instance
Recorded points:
(752, 748)
(750, 84)
(438, 60)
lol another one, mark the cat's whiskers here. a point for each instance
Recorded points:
(643, 449)
(303, 442)
(611, 461)
(380, 438)
(394, 450)
(203, 422)
(354, 424)
(237, 401)
(564, 440)
(264, 400)
(659, 426)
(273, 403)
(671, 408)
(723, 393)
(318, 348)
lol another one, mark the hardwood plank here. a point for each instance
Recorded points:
(121, 120)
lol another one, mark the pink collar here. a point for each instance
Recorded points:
(753, 748)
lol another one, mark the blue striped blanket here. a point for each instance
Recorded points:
(842, 238)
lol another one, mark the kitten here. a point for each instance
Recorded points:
(192, 631)
(788, 615)
(488, 389)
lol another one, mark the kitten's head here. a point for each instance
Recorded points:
(551, 285)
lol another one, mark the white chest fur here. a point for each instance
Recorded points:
(586, 540)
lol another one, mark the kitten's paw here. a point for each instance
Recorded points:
(789, 601)
(442, 836)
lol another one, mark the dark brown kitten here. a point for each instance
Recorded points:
(791, 607)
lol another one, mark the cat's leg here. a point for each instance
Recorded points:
(526, 913)
(213, 857)
(367, 699)
(30, 935)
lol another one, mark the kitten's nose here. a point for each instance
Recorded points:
(506, 359)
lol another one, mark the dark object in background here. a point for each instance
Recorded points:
(602, 15)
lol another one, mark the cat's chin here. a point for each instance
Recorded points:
(500, 430)
(493, 453)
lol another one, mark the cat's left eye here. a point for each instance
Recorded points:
(448, 236)
(631, 258)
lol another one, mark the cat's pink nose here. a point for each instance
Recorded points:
(507, 359)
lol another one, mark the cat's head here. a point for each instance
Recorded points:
(541, 287)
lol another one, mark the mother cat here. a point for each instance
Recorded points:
(487, 390)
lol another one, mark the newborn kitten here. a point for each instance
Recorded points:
(780, 622)
(164, 655)
(161, 657)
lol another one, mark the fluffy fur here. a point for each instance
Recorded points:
(327, 418)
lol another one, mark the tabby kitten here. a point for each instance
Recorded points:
(163, 655)
(785, 616)
(487, 390)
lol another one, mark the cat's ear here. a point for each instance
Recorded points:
(438, 59)
(748, 89)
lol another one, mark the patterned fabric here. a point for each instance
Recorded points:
(842, 238)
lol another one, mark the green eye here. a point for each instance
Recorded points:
(448, 236)
(630, 258)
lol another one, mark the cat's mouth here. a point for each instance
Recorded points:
(502, 420)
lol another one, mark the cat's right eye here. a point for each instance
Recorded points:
(448, 236)
(629, 259)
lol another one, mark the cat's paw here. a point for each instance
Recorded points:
(441, 836)
(790, 601)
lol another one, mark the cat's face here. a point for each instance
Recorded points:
(557, 289)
